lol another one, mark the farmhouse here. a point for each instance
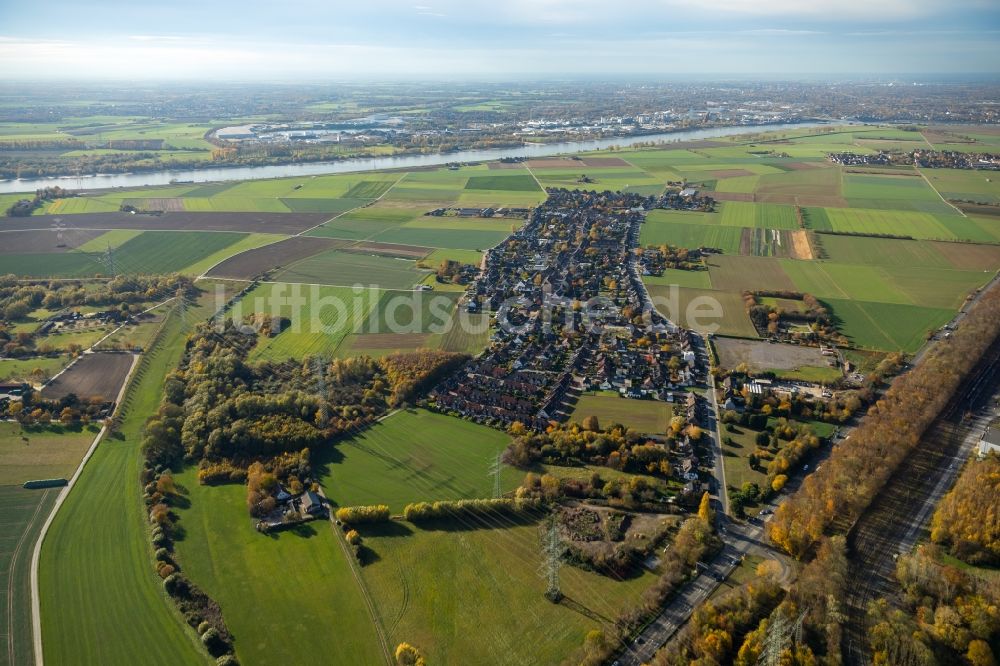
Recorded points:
(312, 504)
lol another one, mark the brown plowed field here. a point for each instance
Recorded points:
(98, 374)
(48, 240)
(249, 264)
(274, 223)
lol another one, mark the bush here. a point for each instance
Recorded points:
(477, 507)
(358, 515)
(203, 627)
(227, 660)
(163, 555)
(213, 642)
(353, 537)
(175, 585)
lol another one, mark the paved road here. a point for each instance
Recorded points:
(741, 539)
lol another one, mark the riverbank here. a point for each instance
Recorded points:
(364, 164)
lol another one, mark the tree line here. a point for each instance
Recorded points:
(859, 467)
(967, 520)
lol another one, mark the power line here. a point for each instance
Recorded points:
(552, 549)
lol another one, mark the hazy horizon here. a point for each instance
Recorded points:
(447, 39)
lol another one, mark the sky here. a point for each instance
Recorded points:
(313, 40)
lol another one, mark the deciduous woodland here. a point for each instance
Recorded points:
(846, 484)
(966, 521)
(948, 616)
(222, 412)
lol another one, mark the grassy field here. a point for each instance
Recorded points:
(762, 215)
(21, 369)
(705, 310)
(300, 579)
(909, 187)
(681, 278)
(41, 452)
(434, 259)
(893, 222)
(737, 274)
(649, 416)
(451, 592)
(104, 603)
(964, 184)
(415, 456)
(885, 326)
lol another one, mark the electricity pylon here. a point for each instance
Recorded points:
(495, 473)
(780, 633)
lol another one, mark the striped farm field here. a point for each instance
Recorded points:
(338, 267)
(416, 455)
(768, 216)
(171, 251)
(886, 326)
(724, 238)
(97, 554)
(890, 222)
(892, 252)
(469, 333)
(317, 326)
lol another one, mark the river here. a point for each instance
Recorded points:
(360, 164)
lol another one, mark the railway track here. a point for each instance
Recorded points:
(902, 510)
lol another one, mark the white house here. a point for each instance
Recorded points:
(990, 442)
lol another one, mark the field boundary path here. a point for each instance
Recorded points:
(36, 606)
(930, 185)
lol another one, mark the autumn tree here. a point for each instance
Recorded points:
(705, 511)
